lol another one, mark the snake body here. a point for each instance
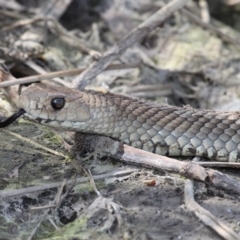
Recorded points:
(164, 129)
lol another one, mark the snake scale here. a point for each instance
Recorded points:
(164, 129)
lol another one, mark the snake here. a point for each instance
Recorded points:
(161, 129)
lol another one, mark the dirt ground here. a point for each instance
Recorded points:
(146, 212)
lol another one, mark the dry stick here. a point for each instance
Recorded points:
(56, 199)
(222, 181)
(131, 155)
(43, 217)
(37, 145)
(219, 164)
(134, 36)
(114, 174)
(31, 64)
(189, 169)
(63, 73)
(62, 32)
(205, 216)
(139, 157)
(23, 22)
(46, 212)
(205, 15)
(56, 28)
(11, 14)
(92, 182)
(53, 223)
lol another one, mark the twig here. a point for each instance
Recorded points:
(113, 208)
(43, 207)
(205, 16)
(55, 27)
(188, 169)
(79, 167)
(59, 193)
(44, 216)
(92, 182)
(11, 14)
(37, 145)
(23, 22)
(131, 155)
(53, 223)
(134, 36)
(11, 5)
(205, 216)
(15, 192)
(139, 157)
(219, 164)
(63, 73)
(46, 212)
(222, 181)
(40, 70)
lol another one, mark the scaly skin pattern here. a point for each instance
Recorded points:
(164, 129)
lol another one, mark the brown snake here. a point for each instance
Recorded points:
(164, 129)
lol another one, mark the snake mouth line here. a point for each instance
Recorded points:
(11, 119)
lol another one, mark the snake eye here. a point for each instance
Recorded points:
(58, 103)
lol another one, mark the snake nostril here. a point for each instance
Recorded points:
(58, 103)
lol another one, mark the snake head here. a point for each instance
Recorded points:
(54, 106)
